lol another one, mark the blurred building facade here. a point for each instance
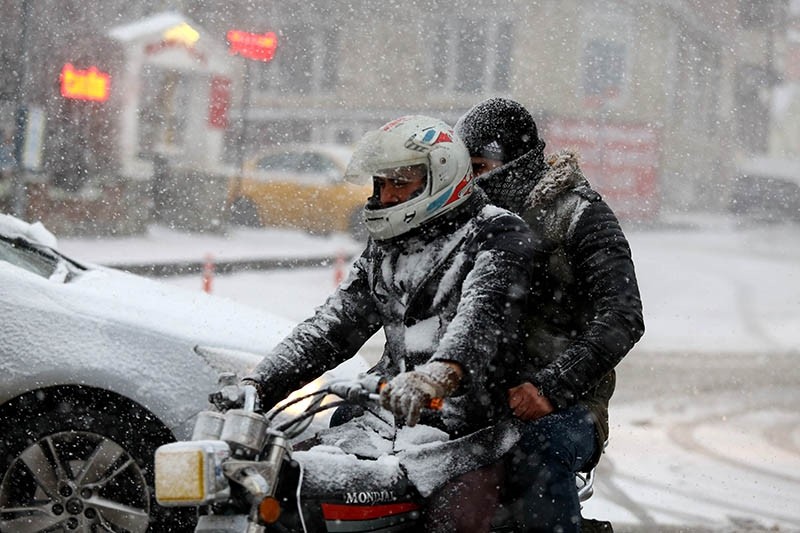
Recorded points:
(660, 96)
(694, 74)
(784, 139)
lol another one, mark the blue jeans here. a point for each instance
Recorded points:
(541, 470)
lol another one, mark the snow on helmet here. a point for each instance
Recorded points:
(404, 142)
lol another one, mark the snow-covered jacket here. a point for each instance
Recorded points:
(453, 291)
(585, 312)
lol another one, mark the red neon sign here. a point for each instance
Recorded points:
(218, 102)
(90, 84)
(258, 46)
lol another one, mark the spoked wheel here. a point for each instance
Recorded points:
(81, 459)
(74, 481)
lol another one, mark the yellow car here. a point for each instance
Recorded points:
(299, 186)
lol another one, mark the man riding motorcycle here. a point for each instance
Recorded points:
(445, 275)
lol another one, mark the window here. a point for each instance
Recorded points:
(502, 57)
(758, 13)
(310, 162)
(606, 53)
(278, 162)
(752, 120)
(27, 256)
(698, 84)
(330, 60)
(472, 55)
(318, 163)
(603, 68)
(37, 259)
(162, 110)
(306, 62)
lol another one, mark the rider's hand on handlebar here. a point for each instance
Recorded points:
(408, 393)
(229, 396)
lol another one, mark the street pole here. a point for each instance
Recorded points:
(240, 155)
(245, 111)
(256, 47)
(18, 192)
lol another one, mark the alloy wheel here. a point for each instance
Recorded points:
(74, 481)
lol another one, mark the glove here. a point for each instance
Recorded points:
(410, 392)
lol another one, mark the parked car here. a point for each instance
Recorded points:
(99, 368)
(299, 186)
(767, 189)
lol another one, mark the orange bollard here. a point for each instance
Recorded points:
(338, 268)
(208, 273)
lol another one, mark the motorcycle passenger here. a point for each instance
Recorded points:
(445, 275)
(584, 312)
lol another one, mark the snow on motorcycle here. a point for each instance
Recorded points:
(243, 473)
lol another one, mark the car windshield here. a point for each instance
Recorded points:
(34, 258)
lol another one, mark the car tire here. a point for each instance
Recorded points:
(244, 213)
(358, 230)
(81, 459)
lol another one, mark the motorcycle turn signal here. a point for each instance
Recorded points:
(269, 510)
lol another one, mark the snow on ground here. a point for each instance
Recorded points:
(715, 287)
(704, 424)
(160, 245)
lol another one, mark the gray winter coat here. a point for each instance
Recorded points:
(452, 292)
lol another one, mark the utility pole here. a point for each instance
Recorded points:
(244, 112)
(252, 47)
(255, 47)
(18, 193)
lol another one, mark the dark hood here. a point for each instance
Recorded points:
(498, 128)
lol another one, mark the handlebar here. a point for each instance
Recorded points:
(250, 397)
(363, 391)
(367, 388)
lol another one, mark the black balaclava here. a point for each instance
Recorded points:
(502, 129)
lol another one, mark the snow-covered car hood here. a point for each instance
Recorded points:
(173, 311)
(119, 296)
(104, 328)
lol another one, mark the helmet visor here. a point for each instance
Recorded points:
(403, 174)
(397, 185)
(375, 156)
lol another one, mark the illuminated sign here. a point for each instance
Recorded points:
(182, 33)
(90, 84)
(218, 102)
(177, 37)
(258, 46)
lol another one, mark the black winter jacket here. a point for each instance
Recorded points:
(452, 292)
(584, 312)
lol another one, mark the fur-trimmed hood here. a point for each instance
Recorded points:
(533, 181)
(563, 174)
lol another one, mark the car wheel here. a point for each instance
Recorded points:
(358, 230)
(244, 213)
(81, 460)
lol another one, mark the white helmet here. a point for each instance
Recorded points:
(408, 141)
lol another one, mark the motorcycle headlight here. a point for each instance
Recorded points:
(190, 473)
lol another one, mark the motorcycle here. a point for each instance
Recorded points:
(243, 474)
